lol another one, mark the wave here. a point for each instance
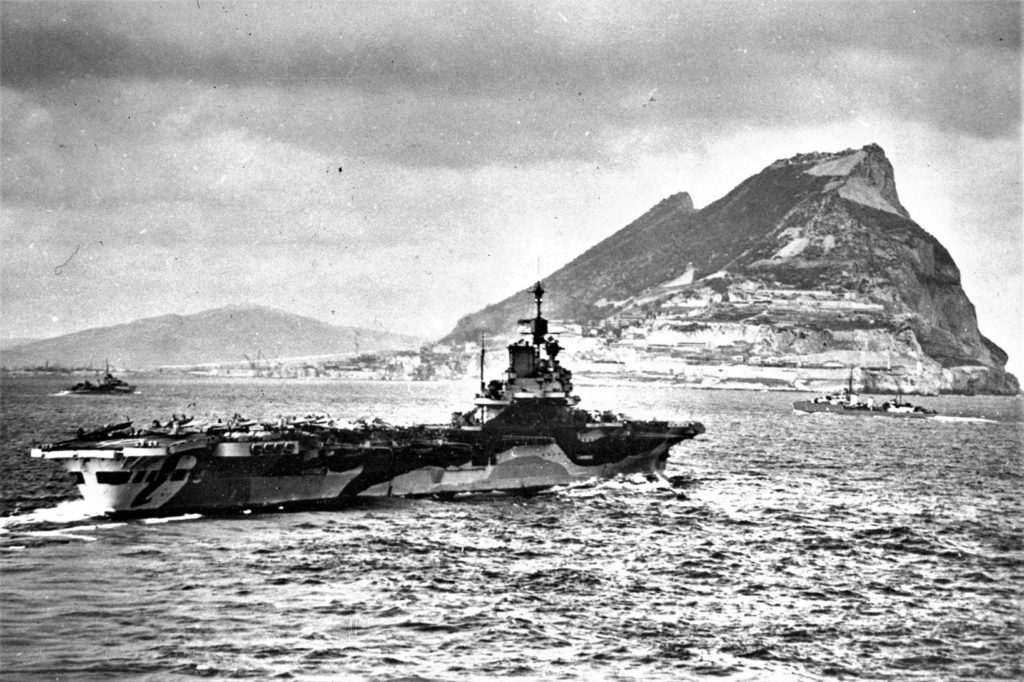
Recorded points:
(637, 483)
(70, 512)
(67, 512)
(977, 420)
(171, 519)
(10, 536)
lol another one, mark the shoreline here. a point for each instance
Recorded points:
(736, 383)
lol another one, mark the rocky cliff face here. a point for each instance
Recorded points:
(812, 265)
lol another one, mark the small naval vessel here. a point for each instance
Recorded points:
(108, 385)
(523, 435)
(848, 402)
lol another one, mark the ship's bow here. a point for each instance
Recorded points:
(651, 443)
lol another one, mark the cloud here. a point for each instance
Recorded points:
(471, 84)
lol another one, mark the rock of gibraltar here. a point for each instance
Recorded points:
(804, 273)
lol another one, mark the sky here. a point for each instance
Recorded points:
(399, 165)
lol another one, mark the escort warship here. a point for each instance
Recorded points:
(524, 434)
(108, 385)
(848, 403)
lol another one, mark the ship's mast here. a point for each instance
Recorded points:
(538, 325)
(483, 351)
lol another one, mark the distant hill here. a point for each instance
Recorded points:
(226, 334)
(811, 262)
(11, 343)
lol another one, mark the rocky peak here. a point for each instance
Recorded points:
(861, 175)
(680, 201)
(817, 245)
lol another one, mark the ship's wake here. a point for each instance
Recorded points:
(65, 522)
(962, 420)
(633, 483)
(63, 514)
(48, 525)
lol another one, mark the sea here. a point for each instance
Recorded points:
(779, 546)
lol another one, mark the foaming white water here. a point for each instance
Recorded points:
(71, 533)
(960, 420)
(70, 511)
(172, 519)
(638, 483)
(61, 534)
(74, 511)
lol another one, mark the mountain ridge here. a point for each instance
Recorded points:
(225, 334)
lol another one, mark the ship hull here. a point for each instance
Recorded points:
(209, 480)
(514, 464)
(522, 470)
(118, 390)
(102, 391)
(210, 489)
(150, 474)
(123, 472)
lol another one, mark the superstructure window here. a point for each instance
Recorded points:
(113, 477)
(78, 477)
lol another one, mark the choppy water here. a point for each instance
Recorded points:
(788, 547)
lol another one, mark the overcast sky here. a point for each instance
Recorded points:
(398, 165)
